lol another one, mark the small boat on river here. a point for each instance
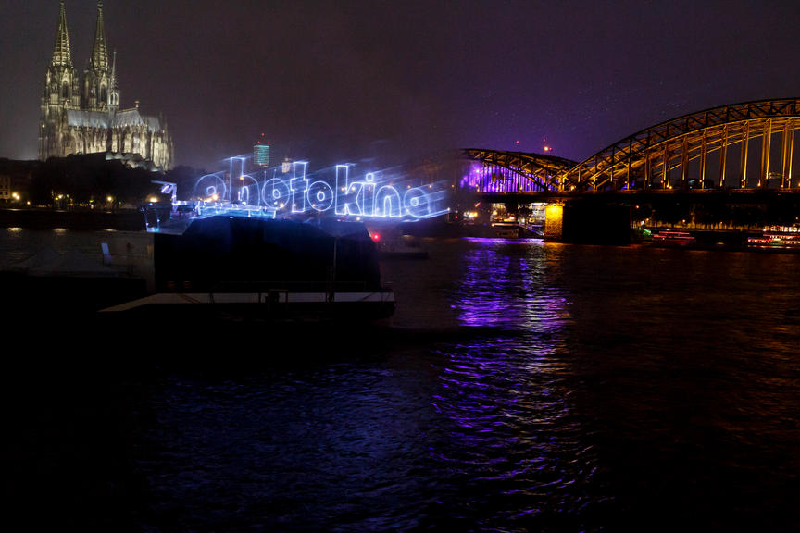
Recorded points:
(402, 248)
(673, 238)
(776, 238)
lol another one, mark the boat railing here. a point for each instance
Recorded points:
(277, 296)
(264, 286)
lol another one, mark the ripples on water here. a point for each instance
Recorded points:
(585, 389)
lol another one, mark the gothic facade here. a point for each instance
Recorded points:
(82, 115)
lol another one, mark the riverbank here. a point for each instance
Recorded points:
(73, 272)
(85, 220)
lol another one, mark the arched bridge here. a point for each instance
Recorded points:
(710, 149)
(515, 171)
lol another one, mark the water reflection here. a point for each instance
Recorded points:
(505, 284)
(515, 448)
(317, 445)
(512, 444)
(604, 389)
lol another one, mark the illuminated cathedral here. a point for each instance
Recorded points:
(82, 115)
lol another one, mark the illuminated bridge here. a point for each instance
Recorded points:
(743, 147)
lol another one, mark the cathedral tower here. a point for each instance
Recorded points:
(61, 91)
(96, 78)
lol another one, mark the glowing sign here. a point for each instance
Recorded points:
(167, 187)
(377, 195)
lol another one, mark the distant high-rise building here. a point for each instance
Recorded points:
(261, 152)
(82, 115)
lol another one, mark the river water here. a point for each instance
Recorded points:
(524, 386)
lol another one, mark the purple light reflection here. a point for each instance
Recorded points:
(510, 391)
(500, 289)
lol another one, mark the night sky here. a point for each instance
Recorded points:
(380, 82)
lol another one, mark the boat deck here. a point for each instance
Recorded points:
(344, 305)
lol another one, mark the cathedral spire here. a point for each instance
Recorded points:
(99, 59)
(61, 53)
(114, 72)
(113, 90)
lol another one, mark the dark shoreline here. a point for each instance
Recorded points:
(133, 220)
(46, 218)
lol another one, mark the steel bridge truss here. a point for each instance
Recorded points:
(659, 157)
(517, 171)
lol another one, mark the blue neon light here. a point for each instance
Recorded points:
(376, 195)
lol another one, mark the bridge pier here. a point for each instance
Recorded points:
(588, 222)
(553, 222)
